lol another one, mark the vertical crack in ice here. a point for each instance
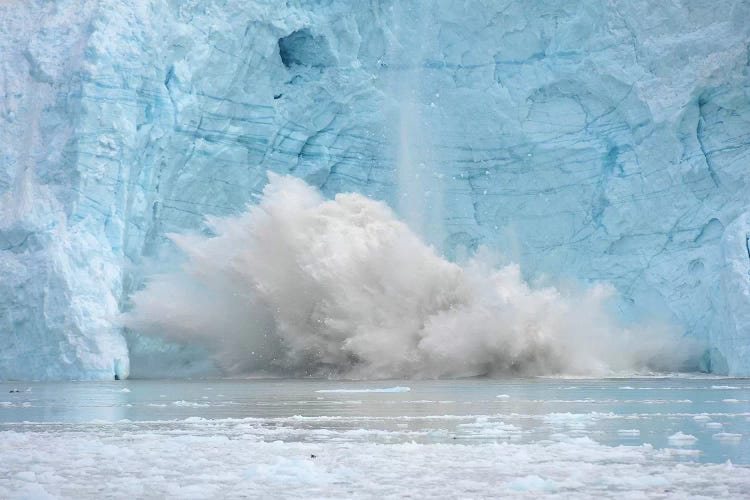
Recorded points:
(699, 135)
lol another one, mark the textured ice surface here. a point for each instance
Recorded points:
(601, 142)
(203, 461)
(442, 439)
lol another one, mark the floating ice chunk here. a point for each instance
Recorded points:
(189, 404)
(483, 427)
(26, 476)
(572, 420)
(730, 400)
(714, 425)
(386, 389)
(532, 482)
(728, 437)
(701, 418)
(682, 452)
(629, 432)
(125, 389)
(34, 491)
(681, 439)
(724, 387)
(503, 396)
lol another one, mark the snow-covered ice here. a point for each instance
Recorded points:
(681, 439)
(210, 460)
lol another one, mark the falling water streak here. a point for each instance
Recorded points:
(419, 185)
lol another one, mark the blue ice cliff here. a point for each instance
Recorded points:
(590, 141)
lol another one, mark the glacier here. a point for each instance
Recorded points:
(584, 141)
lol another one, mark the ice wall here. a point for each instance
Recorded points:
(591, 141)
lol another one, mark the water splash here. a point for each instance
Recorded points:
(300, 285)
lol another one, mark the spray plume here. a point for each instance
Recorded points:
(301, 285)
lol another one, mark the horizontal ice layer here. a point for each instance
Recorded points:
(602, 143)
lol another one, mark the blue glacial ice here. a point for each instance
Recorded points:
(586, 142)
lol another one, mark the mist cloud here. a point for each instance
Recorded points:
(301, 285)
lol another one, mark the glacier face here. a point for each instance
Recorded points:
(597, 142)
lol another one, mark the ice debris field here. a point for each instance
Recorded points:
(628, 438)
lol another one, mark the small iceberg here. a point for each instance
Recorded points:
(728, 437)
(628, 432)
(681, 439)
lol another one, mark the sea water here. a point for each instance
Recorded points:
(58, 436)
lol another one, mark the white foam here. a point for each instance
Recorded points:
(302, 285)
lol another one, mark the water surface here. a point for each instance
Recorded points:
(712, 414)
